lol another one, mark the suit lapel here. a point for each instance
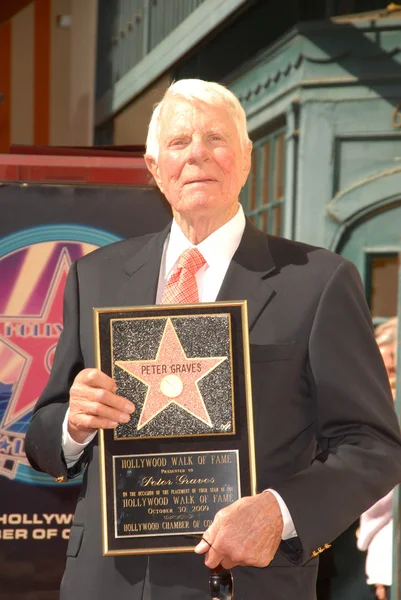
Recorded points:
(142, 272)
(247, 273)
(245, 278)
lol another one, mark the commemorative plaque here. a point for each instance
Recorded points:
(188, 449)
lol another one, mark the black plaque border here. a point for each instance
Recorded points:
(195, 532)
(242, 439)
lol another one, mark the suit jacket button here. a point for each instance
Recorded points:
(327, 546)
(314, 554)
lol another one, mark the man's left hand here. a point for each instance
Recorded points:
(246, 533)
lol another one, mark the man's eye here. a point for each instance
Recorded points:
(177, 142)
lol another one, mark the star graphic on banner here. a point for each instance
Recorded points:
(4, 445)
(33, 339)
(171, 378)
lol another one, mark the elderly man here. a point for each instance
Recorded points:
(327, 438)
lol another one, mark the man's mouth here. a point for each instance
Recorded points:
(200, 180)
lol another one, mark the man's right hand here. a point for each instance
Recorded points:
(94, 405)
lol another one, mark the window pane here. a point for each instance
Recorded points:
(279, 167)
(265, 188)
(266, 172)
(384, 285)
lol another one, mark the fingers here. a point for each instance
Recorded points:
(246, 533)
(103, 402)
(208, 537)
(95, 405)
(202, 547)
(213, 557)
(97, 379)
(230, 564)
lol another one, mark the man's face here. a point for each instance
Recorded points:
(201, 166)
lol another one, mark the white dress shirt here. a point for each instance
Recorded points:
(217, 250)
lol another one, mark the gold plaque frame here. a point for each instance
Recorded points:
(189, 447)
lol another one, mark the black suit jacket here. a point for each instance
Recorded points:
(318, 381)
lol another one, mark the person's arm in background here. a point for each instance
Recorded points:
(374, 519)
(379, 561)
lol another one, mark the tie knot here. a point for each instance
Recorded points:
(192, 260)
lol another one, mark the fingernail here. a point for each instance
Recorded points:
(130, 407)
(124, 417)
(113, 424)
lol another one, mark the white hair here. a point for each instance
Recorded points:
(194, 90)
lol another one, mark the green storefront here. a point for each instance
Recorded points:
(324, 112)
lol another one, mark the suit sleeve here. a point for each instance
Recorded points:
(44, 436)
(356, 425)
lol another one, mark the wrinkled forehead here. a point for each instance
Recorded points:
(178, 113)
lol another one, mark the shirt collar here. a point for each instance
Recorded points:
(218, 246)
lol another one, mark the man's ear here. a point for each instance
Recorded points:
(154, 169)
(247, 157)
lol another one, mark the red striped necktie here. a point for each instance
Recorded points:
(181, 288)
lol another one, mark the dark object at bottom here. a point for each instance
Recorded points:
(221, 585)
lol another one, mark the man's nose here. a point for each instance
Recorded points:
(198, 150)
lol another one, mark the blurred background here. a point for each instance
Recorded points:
(321, 85)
